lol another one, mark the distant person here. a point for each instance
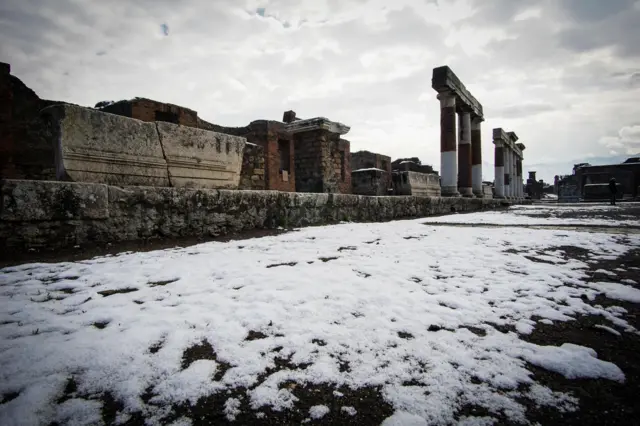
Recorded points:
(613, 190)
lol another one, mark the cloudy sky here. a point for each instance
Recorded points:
(563, 74)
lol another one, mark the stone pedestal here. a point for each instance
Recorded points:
(448, 148)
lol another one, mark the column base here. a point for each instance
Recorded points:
(449, 191)
(478, 194)
(466, 192)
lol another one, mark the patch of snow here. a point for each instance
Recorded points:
(349, 410)
(338, 394)
(573, 362)
(368, 170)
(403, 418)
(232, 408)
(609, 329)
(617, 291)
(629, 281)
(318, 411)
(604, 271)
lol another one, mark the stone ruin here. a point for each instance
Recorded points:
(142, 142)
(508, 165)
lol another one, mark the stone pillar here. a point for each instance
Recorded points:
(476, 157)
(448, 148)
(498, 182)
(507, 171)
(520, 180)
(516, 172)
(464, 155)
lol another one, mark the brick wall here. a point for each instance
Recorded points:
(252, 174)
(308, 153)
(25, 153)
(150, 110)
(267, 135)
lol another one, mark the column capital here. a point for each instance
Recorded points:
(447, 99)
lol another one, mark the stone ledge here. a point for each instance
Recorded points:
(37, 200)
(64, 214)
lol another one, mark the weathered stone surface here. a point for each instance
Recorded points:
(93, 146)
(198, 158)
(62, 214)
(34, 200)
(374, 182)
(417, 184)
(252, 173)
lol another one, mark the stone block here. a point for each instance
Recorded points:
(35, 200)
(93, 146)
(198, 158)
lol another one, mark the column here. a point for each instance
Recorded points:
(448, 148)
(464, 155)
(520, 181)
(476, 157)
(516, 189)
(498, 182)
(507, 171)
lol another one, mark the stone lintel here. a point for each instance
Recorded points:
(444, 80)
(318, 123)
(521, 146)
(513, 136)
(500, 135)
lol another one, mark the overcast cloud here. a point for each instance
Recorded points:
(563, 74)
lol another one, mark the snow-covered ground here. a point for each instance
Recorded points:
(411, 308)
(546, 214)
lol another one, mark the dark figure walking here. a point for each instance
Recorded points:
(613, 190)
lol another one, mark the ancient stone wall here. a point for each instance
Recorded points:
(416, 184)
(336, 165)
(367, 160)
(65, 214)
(370, 182)
(25, 153)
(93, 146)
(252, 172)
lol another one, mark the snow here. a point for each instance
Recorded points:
(368, 170)
(349, 410)
(618, 291)
(318, 411)
(423, 310)
(609, 329)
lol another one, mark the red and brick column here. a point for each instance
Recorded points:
(499, 166)
(448, 145)
(476, 157)
(464, 155)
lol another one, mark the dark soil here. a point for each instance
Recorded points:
(11, 258)
(602, 402)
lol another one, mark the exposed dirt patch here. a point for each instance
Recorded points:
(275, 265)
(4, 398)
(255, 335)
(161, 283)
(100, 325)
(327, 259)
(347, 248)
(601, 401)
(107, 293)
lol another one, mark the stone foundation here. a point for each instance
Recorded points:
(416, 184)
(37, 214)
